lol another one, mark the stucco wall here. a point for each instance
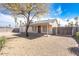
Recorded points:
(22, 29)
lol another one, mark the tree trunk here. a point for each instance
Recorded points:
(27, 33)
(27, 26)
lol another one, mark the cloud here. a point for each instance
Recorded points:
(58, 11)
(5, 20)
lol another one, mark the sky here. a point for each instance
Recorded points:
(5, 20)
(64, 10)
(56, 10)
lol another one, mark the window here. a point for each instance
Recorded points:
(34, 28)
(44, 28)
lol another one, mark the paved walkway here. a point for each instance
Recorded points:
(44, 46)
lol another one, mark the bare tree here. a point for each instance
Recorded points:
(28, 10)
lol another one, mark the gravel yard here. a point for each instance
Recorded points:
(37, 46)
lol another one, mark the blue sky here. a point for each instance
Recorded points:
(64, 10)
(56, 10)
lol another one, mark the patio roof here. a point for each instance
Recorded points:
(43, 22)
(36, 24)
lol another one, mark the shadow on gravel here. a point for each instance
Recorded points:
(12, 37)
(74, 50)
(31, 35)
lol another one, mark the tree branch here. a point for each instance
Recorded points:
(33, 16)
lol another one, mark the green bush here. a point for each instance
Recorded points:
(77, 37)
(2, 42)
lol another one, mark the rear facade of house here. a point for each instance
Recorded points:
(45, 26)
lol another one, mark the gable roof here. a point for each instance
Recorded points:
(51, 20)
(43, 22)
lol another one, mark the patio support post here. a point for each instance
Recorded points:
(47, 29)
(56, 30)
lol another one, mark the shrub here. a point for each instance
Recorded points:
(77, 37)
(2, 42)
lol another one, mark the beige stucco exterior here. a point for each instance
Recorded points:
(43, 29)
(40, 27)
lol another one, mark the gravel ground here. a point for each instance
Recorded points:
(37, 46)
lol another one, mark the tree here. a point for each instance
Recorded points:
(70, 24)
(15, 20)
(67, 22)
(9, 25)
(28, 10)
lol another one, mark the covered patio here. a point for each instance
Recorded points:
(41, 28)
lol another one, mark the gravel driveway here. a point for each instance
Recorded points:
(44, 46)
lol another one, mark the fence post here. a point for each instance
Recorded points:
(72, 31)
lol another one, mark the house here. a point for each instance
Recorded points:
(43, 26)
